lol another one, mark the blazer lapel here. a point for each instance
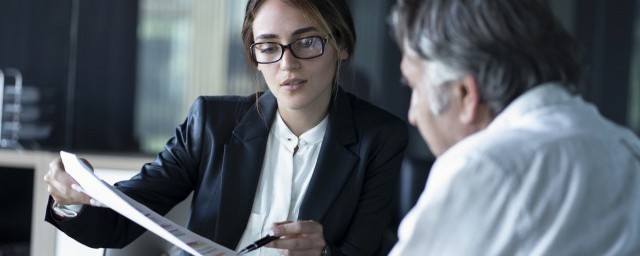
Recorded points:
(335, 161)
(242, 164)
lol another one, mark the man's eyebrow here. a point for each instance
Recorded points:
(295, 33)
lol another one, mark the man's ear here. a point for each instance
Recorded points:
(470, 100)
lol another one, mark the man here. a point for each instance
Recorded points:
(525, 166)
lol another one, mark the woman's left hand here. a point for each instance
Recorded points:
(303, 237)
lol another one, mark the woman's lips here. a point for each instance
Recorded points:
(293, 84)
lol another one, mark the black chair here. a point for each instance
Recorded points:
(411, 183)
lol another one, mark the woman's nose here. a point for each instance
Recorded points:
(289, 61)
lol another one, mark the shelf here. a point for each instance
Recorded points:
(43, 234)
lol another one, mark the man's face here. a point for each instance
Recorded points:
(438, 130)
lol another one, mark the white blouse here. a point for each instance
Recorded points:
(286, 173)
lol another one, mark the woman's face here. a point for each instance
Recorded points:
(298, 84)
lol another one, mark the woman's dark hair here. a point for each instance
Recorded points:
(331, 17)
(508, 46)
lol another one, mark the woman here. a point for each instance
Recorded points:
(304, 160)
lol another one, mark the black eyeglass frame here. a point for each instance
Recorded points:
(323, 41)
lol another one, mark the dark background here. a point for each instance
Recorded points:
(15, 216)
(82, 56)
(87, 71)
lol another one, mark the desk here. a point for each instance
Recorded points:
(43, 234)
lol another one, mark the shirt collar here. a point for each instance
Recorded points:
(538, 97)
(312, 136)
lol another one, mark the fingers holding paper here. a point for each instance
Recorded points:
(304, 237)
(63, 188)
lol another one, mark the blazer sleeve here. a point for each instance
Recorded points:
(161, 184)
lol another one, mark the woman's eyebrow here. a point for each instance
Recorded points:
(266, 36)
(295, 33)
(303, 30)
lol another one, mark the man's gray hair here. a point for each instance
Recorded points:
(508, 46)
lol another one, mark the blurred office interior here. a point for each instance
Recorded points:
(116, 77)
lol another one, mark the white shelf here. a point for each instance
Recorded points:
(44, 235)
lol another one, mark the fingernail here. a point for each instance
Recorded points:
(274, 232)
(95, 203)
(76, 188)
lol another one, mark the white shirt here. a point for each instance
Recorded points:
(284, 180)
(549, 176)
(282, 186)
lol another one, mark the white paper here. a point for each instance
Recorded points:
(123, 204)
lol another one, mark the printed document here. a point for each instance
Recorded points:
(123, 204)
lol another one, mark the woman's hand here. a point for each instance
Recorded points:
(302, 237)
(63, 188)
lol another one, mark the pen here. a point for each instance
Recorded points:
(259, 243)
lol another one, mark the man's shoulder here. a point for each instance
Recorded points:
(506, 150)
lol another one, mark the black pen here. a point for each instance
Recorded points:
(257, 244)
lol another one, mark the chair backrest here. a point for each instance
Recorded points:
(411, 183)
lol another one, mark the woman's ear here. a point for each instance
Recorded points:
(343, 54)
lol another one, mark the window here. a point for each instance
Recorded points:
(186, 48)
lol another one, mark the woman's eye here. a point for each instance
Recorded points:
(306, 42)
(268, 49)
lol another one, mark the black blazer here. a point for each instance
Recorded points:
(218, 152)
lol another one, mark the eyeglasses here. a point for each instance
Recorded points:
(303, 48)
